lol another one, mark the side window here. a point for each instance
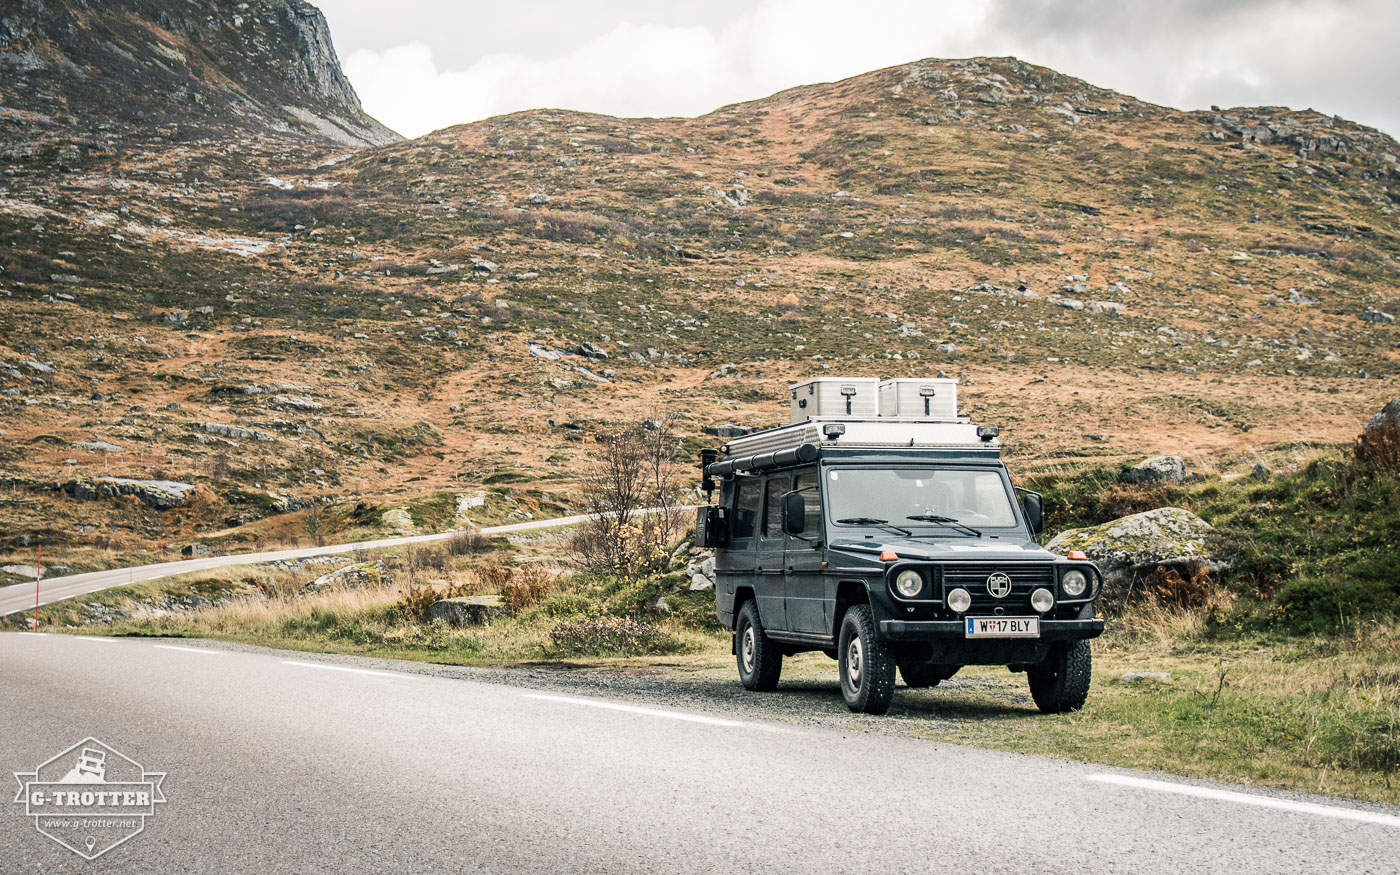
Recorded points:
(773, 508)
(808, 483)
(746, 510)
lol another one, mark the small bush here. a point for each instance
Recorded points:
(602, 636)
(468, 543)
(528, 587)
(415, 601)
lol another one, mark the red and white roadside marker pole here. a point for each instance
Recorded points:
(38, 575)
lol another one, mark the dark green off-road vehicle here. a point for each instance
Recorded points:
(892, 543)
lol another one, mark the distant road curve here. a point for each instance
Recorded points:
(20, 597)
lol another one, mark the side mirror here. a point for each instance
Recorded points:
(711, 526)
(1035, 511)
(794, 513)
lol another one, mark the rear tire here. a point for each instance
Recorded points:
(760, 661)
(866, 663)
(1061, 682)
(924, 675)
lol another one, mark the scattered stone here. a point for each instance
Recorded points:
(702, 574)
(1371, 314)
(1071, 303)
(98, 447)
(1261, 471)
(589, 350)
(481, 265)
(1130, 677)
(233, 431)
(1159, 469)
(178, 318)
(296, 402)
(727, 430)
(204, 311)
(544, 352)
(23, 541)
(539, 199)
(1113, 309)
(40, 368)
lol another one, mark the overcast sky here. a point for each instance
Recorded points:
(420, 65)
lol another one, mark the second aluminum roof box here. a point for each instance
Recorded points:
(933, 400)
(836, 397)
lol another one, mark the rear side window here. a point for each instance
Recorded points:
(773, 507)
(746, 510)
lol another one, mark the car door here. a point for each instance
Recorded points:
(770, 553)
(809, 605)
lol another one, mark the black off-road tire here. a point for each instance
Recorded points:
(1061, 682)
(924, 675)
(866, 663)
(760, 661)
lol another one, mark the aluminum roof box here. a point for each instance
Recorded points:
(856, 397)
(933, 400)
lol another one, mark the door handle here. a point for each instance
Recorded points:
(791, 569)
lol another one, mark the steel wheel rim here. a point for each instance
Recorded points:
(746, 649)
(854, 658)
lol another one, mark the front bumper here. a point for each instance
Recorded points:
(940, 630)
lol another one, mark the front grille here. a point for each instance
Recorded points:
(973, 578)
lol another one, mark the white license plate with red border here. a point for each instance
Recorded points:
(1002, 627)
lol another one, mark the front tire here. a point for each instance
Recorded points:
(1061, 682)
(760, 661)
(924, 675)
(866, 664)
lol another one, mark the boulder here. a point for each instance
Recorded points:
(1132, 547)
(466, 611)
(233, 431)
(702, 574)
(1158, 469)
(1390, 412)
(1371, 314)
(195, 550)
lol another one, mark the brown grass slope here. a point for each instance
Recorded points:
(366, 316)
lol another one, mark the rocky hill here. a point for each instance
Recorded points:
(175, 69)
(400, 333)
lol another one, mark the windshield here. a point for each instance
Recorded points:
(970, 496)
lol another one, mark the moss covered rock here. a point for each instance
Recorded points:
(1128, 548)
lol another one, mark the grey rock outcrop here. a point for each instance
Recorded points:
(158, 494)
(233, 431)
(1158, 469)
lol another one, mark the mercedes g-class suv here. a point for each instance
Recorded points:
(891, 542)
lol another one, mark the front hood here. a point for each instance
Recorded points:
(947, 549)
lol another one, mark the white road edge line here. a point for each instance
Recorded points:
(1249, 799)
(637, 709)
(188, 649)
(93, 638)
(36, 634)
(382, 674)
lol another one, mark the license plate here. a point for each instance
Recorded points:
(1003, 627)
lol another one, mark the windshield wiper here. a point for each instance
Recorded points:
(872, 521)
(943, 521)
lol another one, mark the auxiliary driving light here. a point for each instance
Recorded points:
(909, 583)
(1042, 600)
(1074, 583)
(959, 599)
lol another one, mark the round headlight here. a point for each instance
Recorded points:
(959, 599)
(1042, 600)
(909, 583)
(1074, 583)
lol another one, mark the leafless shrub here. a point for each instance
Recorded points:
(528, 586)
(468, 543)
(632, 492)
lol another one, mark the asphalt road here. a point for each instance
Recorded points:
(17, 598)
(296, 762)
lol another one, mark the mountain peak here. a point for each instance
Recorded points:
(179, 68)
